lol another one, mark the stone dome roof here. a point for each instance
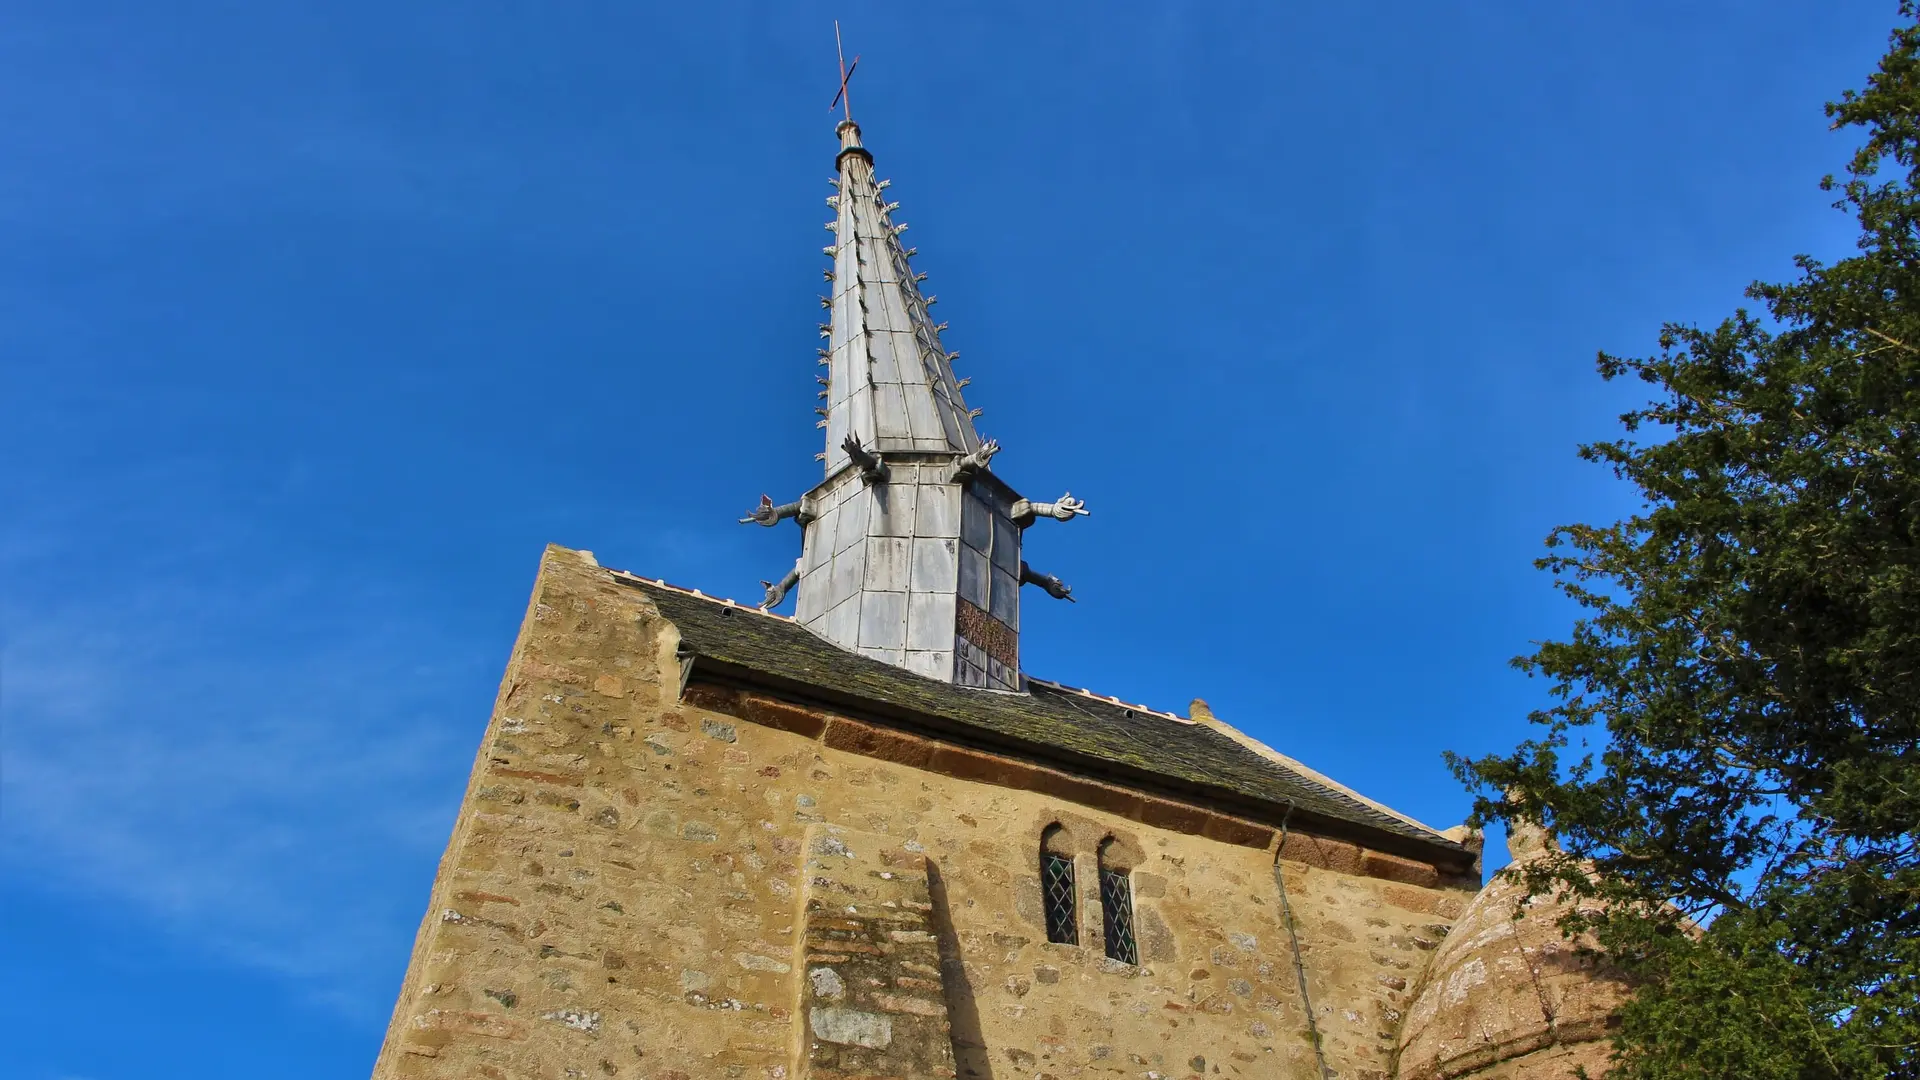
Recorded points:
(1507, 998)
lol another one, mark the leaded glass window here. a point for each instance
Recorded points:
(1116, 904)
(1056, 887)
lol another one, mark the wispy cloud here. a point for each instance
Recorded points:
(254, 769)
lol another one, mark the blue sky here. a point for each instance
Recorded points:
(318, 319)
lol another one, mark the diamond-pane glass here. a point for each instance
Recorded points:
(1056, 884)
(1116, 903)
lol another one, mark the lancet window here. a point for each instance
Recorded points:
(1116, 905)
(1057, 892)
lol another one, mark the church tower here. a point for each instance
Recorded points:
(705, 840)
(912, 549)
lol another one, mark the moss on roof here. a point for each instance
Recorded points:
(1056, 722)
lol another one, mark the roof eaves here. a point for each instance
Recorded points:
(1145, 779)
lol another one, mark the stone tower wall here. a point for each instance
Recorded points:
(643, 883)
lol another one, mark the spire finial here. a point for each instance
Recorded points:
(843, 99)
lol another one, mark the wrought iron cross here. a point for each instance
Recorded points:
(846, 72)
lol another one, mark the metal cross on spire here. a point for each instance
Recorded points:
(846, 72)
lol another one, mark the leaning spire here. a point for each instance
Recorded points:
(912, 551)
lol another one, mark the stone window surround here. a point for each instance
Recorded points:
(1114, 865)
(1062, 837)
(1059, 875)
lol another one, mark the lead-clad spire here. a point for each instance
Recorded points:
(889, 382)
(912, 553)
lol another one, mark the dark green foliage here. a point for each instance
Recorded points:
(1734, 739)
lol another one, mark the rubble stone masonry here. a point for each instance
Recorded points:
(668, 884)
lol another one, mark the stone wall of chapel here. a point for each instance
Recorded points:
(626, 894)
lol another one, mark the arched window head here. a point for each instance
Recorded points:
(1116, 901)
(1057, 893)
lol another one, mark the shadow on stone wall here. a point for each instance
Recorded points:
(970, 1058)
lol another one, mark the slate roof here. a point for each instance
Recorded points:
(1049, 722)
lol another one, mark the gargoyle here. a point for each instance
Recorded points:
(967, 465)
(1066, 508)
(777, 590)
(872, 469)
(770, 515)
(1053, 586)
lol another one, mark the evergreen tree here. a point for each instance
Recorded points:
(1733, 737)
